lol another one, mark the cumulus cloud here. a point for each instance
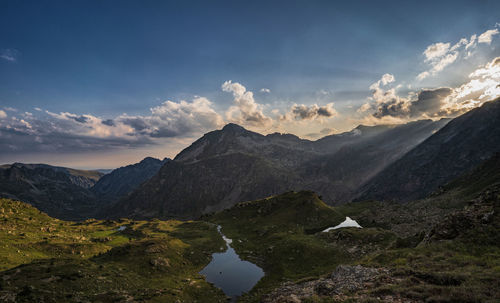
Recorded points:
(172, 119)
(49, 131)
(386, 104)
(245, 110)
(311, 112)
(487, 36)
(483, 86)
(3, 115)
(436, 50)
(440, 55)
(265, 90)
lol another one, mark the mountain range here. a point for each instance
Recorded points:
(233, 164)
(72, 194)
(401, 162)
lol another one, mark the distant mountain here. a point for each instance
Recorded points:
(59, 191)
(105, 170)
(123, 180)
(233, 164)
(458, 147)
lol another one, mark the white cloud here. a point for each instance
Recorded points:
(440, 55)
(487, 36)
(245, 110)
(265, 90)
(3, 115)
(386, 106)
(436, 50)
(423, 75)
(386, 79)
(472, 42)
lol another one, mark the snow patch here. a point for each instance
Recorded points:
(348, 222)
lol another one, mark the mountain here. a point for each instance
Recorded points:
(233, 165)
(59, 191)
(458, 147)
(123, 180)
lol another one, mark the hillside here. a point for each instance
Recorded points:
(124, 180)
(456, 148)
(233, 165)
(426, 250)
(59, 191)
(48, 260)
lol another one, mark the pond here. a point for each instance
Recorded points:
(231, 274)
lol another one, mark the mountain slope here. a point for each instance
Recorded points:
(123, 180)
(461, 145)
(61, 192)
(233, 165)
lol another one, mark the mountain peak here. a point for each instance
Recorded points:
(235, 128)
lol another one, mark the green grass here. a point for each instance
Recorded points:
(280, 234)
(45, 259)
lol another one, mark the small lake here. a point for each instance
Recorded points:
(231, 274)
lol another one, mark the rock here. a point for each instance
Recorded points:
(344, 280)
(159, 262)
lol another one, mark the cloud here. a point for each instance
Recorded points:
(265, 90)
(487, 36)
(69, 132)
(9, 54)
(386, 105)
(172, 119)
(440, 55)
(245, 110)
(3, 115)
(322, 133)
(436, 50)
(311, 112)
(386, 79)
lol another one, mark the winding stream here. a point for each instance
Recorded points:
(231, 274)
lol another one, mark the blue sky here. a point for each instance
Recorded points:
(117, 61)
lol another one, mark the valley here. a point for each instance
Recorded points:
(164, 237)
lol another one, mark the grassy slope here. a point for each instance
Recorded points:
(464, 266)
(279, 234)
(49, 260)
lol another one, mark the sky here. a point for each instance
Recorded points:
(101, 84)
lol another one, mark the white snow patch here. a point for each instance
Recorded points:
(348, 222)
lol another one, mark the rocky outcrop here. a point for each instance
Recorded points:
(479, 217)
(344, 280)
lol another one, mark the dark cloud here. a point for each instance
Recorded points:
(109, 122)
(81, 119)
(392, 107)
(429, 101)
(137, 123)
(304, 112)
